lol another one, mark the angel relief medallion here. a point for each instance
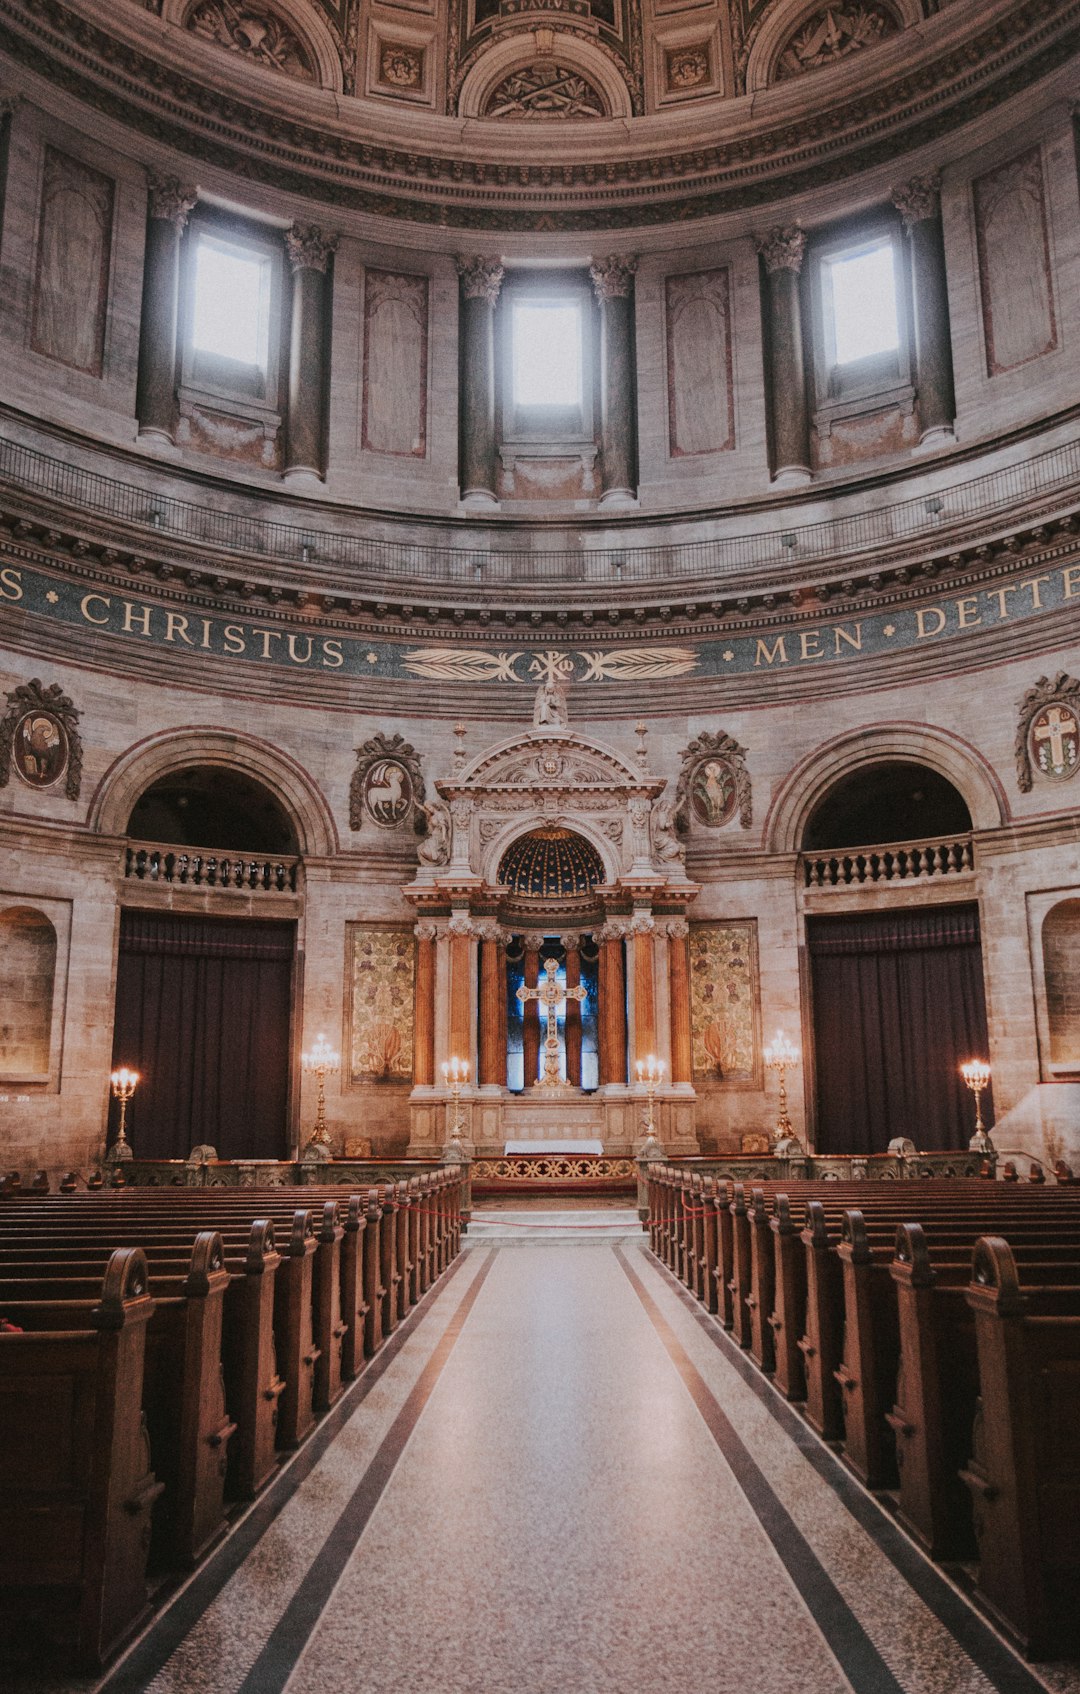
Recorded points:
(713, 792)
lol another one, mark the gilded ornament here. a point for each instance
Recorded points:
(1048, 733)
(39, 738)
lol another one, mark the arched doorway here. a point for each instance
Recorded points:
(206, 965)
(896, 976)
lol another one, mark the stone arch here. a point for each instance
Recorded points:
(1061, 973)
(173, 750)
(313, 34)
(28, 957)
(920, 744)
(784, 22)
(519, 51)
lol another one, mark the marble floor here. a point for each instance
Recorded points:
(560, 1477)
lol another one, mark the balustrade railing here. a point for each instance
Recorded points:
(191, 867)
(901, 861)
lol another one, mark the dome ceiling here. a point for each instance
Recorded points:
(677, 109)
(548, 863)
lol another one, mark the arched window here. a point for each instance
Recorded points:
(27, 979)
(212, 806)
(893, 801)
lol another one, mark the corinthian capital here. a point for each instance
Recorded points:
(481, 279)
(782, 250)
(308, 247)
(678, 929)
(918, 199)
(425, 930)
(613, 277)
(170, 200)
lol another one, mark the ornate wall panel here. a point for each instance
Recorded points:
(379, 1002)
(701, 398)
(1015, 276)
(71, 283)
(833, 33)
(257, 32)
(395, 364)
(27, 976)
(725, 1003)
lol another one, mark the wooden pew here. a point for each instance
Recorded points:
(1024, 1470)
(76, 1487)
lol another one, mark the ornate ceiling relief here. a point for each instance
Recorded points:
(833, 33)
(545, 90)
(254, 30)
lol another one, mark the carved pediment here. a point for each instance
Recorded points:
(552, 760)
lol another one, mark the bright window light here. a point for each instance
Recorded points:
(231, 308)
(546, 337)
(862, 292)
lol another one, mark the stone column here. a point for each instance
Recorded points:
(782, 253)
(572, 943)
(168, 207)
(460, 929)
(491, 1070)
(481, 280)
(612, 1008)
(642, 927)
(309, 253)
(919, 204)
(613, 282)
(534, 942)
(424, 1007)
(678, 931)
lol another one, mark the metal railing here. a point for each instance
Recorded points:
(191, 867)
(904, 861)
(1057, 470)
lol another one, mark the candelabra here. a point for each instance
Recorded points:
(781, 1056)
(317, 1061)
(124, 1083)
(455, 1076)
(650, 1074)
(976, 1073)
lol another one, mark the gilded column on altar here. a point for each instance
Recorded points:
(612, 1019)
(491, 1070)
(678, 933)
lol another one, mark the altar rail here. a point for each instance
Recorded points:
(189, 867)
(900, 861)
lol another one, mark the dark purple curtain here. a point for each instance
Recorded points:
(202, 1012)
(898, 1007)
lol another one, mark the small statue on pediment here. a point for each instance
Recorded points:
(434, 847)
(550, 710)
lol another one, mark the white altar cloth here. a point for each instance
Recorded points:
(547, 1146)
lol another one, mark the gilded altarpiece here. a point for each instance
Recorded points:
(379, 967)
(725, 1003)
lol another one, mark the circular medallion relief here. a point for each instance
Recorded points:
(713, 792)
(388, 792)
(1054, 742)
(40, 749)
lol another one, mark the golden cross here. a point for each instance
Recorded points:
(551, 997)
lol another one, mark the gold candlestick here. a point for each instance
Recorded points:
(317, 1061)
(123, 1083)
(976, 1073)
(455, 1075)
(650, 1074)
(781, 1056)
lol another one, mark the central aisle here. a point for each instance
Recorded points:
(564, 1483)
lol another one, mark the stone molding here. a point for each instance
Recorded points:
(481, 279)
(782, 250)
(613, 277)
(169, 200)
(309, 248)
(944, 87)
(919, 198)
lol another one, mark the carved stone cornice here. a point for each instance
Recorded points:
(942, 84)
(782, 250)
(169, 200)
(919, 198)
(481, 279)
(309, 248)
(613, 277)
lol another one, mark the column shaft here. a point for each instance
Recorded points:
(613, 281)
(573, 1018)
(612, 1011)
(782, 252)
(492, 1066)
(644, 996)
(481, 280)
(424, 1014)
(168, 207)
(679, 993)
(460, 996)
(309, 256)
(531, 1019)
(933, 345)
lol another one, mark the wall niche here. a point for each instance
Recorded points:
(1061, 965)
(27, 981)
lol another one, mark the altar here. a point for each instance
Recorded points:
(544, 1146)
